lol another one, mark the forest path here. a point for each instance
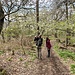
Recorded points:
(23, 65)
(52, 65)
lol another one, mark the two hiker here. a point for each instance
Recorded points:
(39, 41)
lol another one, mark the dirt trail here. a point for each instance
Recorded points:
(46, 66)
(52, 65)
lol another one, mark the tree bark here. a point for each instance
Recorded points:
(67, 40)
(67, 9)
(37, 11)
(37, 15)
(1, 18)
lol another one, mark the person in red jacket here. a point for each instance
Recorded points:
(48, 45)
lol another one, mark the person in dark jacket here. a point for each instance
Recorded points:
(36, 38)
(48, 45)
(39, 41)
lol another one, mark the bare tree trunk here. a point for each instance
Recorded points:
(67, 22)
(8, 20)
(67, 9)
(37, 11)
(37, 15)
(66, 37)
(68, 34)
(2, 34)
(1, 18)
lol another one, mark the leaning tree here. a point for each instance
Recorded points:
(8, 7)
(1, 17)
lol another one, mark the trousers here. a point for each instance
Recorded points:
(48, 52)
(39, 54)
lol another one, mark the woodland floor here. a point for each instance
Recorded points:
(19, 64)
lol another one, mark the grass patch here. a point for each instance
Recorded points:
(2, 72)
(21, 59)
(26, 64)
(72, 40)
(33, 58)
(73, 68)
(56, 47)
(32, 55)
(65, 53)
(1, 52)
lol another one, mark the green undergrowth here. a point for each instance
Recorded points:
(67, 54)
(32, 54)
(73, 68)
(26, 64)
(64, 53)
(21, 59)
(72, 40)
(1, 52)
(2, 72)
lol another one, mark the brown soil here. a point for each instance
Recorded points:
(46, 66)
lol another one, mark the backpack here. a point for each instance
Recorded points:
(39, 42)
